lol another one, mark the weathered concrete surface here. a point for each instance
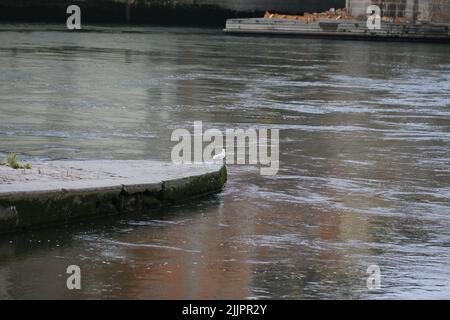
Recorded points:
(61, 191)
(342, 29)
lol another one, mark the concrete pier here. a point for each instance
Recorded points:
(62, 191)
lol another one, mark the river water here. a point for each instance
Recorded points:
(364, 174)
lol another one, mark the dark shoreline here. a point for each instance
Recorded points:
(155, 12)
(114, 13)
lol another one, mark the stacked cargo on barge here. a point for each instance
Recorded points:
(408, 20)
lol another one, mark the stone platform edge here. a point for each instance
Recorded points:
(38, 209)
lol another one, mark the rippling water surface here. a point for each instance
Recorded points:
(364, 163)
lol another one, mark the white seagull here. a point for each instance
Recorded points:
(220, 156)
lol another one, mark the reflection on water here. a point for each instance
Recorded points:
(364, 163)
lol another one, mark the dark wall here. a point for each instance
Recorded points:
(180, 12)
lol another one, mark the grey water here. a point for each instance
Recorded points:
(364, 174)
